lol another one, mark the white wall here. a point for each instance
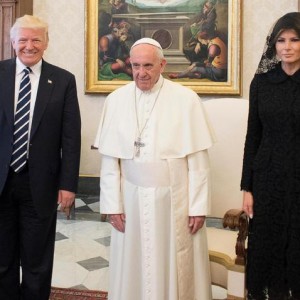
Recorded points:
(66, 49)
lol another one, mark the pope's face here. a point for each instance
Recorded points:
(29, 45)
(146, 66)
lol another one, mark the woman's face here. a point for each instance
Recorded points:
(288, 47)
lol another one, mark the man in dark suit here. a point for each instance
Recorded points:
(31, 188)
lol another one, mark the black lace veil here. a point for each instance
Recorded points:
(269, 59)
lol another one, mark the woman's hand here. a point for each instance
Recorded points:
(248, 204)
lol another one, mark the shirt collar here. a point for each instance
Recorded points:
(36, 69)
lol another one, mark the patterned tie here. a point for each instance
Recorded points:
(21, 125)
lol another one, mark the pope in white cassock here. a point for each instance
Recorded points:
(155, 184)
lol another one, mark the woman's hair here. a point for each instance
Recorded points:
(28, 21)
(286, 22)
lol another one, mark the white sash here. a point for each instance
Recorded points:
(146, 174)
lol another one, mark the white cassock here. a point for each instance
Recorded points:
(157, 258)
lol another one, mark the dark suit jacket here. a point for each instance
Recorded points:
(54, 146)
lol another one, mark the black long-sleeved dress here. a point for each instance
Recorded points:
(271, 171)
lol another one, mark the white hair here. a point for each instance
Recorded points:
(28, 21)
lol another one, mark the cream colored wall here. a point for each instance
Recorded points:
(66, 49)
(258, 17)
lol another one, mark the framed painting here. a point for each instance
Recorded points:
(201, 41)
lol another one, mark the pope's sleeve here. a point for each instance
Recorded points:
(199, 183)
(110, 186)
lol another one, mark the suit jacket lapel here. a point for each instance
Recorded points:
(44, 92)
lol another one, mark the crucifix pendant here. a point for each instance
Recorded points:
(138, 144)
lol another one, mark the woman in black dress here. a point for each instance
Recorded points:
(271, 170)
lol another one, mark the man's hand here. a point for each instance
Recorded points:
(118, 221)
(195, 223)
(66, 200)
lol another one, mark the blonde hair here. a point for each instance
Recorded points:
(28, 21)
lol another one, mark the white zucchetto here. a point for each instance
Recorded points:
(147, 41)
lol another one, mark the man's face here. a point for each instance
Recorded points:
(29, 45)
(146, 66)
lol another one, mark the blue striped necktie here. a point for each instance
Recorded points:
(21, 125)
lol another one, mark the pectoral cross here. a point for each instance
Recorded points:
(138, 144)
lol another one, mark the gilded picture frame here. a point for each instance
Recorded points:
(170, 28)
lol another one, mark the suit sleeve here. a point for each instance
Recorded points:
(70, 139)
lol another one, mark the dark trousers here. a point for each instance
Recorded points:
(26, 241)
